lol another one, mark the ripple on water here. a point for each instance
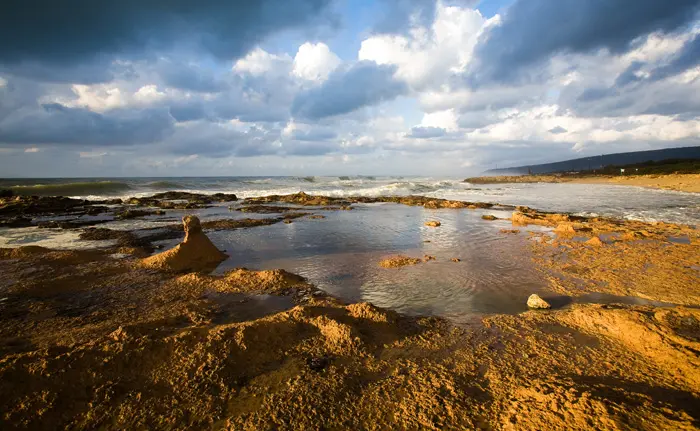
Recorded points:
(340, 254)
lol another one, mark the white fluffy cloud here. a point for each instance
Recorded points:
(426, 57)
(315, 62)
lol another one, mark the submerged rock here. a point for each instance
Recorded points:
(195, 253)
(399, 261)
(534, 301)
(489, 217)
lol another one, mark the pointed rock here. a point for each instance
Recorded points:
(195, 253)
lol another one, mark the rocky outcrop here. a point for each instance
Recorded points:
(195, 253)
(534, 301)
(399, 261)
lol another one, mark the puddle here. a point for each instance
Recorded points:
(240, 307)
(340, 255)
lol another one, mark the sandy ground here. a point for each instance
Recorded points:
(677, 182)
(88, 341)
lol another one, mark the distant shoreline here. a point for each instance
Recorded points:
(676, 182)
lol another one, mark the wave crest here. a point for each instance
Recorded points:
(71, 189)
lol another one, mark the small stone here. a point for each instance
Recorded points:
(534, 301)
(456, 259)
(318, 363)
(287, 221)
(428, 257)
(433, 223)
(489, 217)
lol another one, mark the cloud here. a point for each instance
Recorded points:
(315, 61)
(76, 33)
(429, 55)
(58, 124)
(534, 30)
(557, 130)
(427, 132)
(363, 84)
(259, 62)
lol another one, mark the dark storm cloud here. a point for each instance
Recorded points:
(190, 78)
(57, 124)
(534, 30)
(363, 84)
(77, 32)
(427, 132)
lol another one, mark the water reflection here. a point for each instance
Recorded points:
(340, 254)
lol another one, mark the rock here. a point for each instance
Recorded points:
(287, 221)
(428, 258)
(489, 217)
(18, 221)
(510, 231)
(595, 242)
(433, 223)
(195, 253)
(398, 261)
(133, 213)
(534, 301)
(456, 259)
(565, 229)
(317, 363)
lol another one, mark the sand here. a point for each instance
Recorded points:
(88, 341)
(677, 182)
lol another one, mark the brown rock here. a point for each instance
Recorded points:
(195, 253)
(489, 217)
(433, 223)
(398, 261)
(595, 242)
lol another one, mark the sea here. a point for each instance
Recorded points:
(585, 199)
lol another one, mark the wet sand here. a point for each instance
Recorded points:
(678, 182)
(93, 340)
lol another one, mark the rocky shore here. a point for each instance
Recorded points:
(120, 338)
(678, 182)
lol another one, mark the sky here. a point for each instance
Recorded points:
(340, 87)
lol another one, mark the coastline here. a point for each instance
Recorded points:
(689, 183)
(88, 340)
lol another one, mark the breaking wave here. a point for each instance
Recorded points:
(72, 189)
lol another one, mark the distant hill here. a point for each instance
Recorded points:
(600, 162)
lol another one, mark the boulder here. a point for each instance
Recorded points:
(195, 253)
(534, 301)
(595, 242)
